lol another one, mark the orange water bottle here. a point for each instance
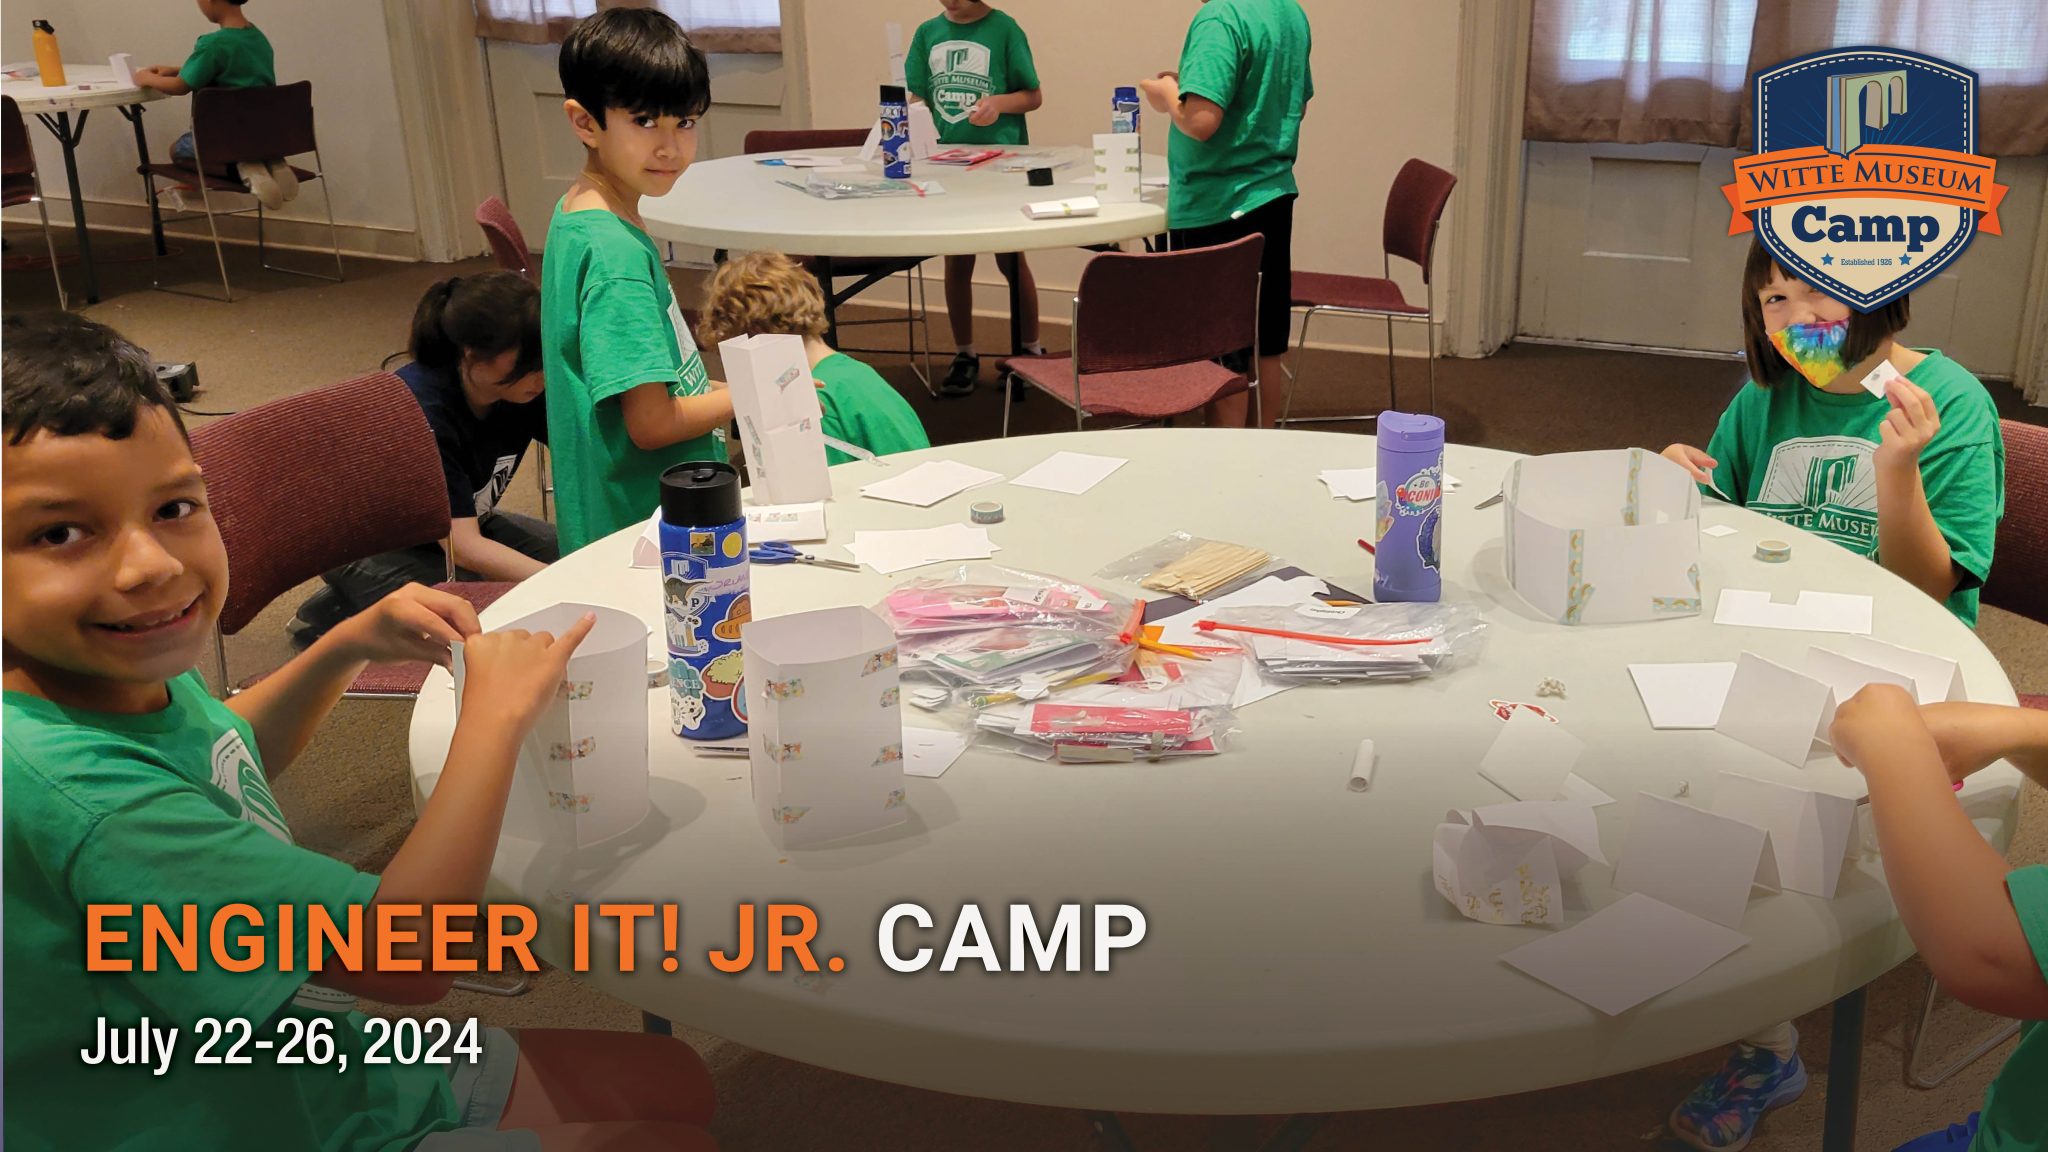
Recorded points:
(49, 61)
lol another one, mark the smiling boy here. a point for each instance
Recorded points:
(627, 393)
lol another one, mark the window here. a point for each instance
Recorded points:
(716, 25)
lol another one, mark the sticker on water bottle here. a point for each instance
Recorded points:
(1420, 493)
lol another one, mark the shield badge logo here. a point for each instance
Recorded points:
(1866, 182)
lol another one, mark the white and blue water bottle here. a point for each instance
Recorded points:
(895, 133)
(1123, 109)
(1407, 565)
(704, 599)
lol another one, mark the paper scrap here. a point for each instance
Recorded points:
(1360, 483)
(797, 523)
(928, 752)
(1878, 379)
(1683, 695)
(1633, 950)
(1580, 790)
(1694, 859)
(1774, 709)
(1814, 611)
(1531, 757)
(931, 482)
(1071, 472)
(1717, 530)
(1361, 767)
(889, 552)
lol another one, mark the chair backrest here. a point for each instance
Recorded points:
(1153, 309)
(1414, 206)
(508, 244)
(2019, 559)
(313, 481)
(230, 125)
(802, 139)
(20, 157)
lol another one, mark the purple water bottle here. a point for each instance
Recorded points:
(895, 133)
(1410, 533)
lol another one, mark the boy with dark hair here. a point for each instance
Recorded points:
(627, 393)
(237, 55)
(127, 784)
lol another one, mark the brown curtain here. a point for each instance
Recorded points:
(1648, 71)
(711, 23)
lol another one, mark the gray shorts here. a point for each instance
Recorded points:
(481, 1090)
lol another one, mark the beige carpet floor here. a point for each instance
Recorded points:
(350, 796)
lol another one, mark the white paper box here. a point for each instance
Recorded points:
(781, 425)
(1603, 537)
(827, 729)
(1503, 863)
(1119, 173)
(924, 136)
(581, 776)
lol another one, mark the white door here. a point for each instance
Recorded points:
(1629, 244)
(542, 156)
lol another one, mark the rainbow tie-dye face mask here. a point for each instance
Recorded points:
(1814, 350)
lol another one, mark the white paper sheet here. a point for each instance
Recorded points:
(1935, 678)
(1071, 472)
(1845, 677)
(1531, 757)
(889, 552)
(1694, 859)
(1879, 378)
(928, 752)
(796, 523)
(1774, 709)
(1580, 790)
(1813, 612)
(1717, 530)
(1633, 950)
(1360, 483)
(1571, 824)
(924, 136)
(1683, 695)
(931, 482)
(1057, 209)
(1809, 830)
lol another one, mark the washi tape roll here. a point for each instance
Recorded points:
(986, 512)
(657, 673)
(1773, 551)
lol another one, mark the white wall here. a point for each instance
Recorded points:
(340, 45)
(1386, 86)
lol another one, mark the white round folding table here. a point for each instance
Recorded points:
(1297, 958)
(738, 203)
(87, 86)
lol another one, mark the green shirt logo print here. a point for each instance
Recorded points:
(236, 773)
(960, 78)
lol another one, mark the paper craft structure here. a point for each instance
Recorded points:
(1782, 710)
(1690, 858)
(1808, 831)
(780, 422)
(1119, 167)
(826, 725)
(1603, 537)
(581, 776)
(924, 136)
(1502, 864)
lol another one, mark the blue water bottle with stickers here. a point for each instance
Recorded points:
(1408, 564)
(1123, 109)
(704, 599)
(895, 133)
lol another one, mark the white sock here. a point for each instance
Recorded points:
(1782, 1040)
(1035, 348)
(965, 350)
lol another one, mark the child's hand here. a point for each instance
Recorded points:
(1696, 463)
(983, 113)
(1908, 428)
(1162, 91)
(516, 675)
(413, 623)
(1881, 717)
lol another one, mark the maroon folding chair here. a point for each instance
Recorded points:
(313, 481)
(2020, 554)
(230, 126)
(1415, 205)
(1149, 330)
(19, 183)
(508, 245)
(866, 270)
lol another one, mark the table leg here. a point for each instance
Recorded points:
(649, 1022)
(824, 273)
(1845, 1074)
(1295, 1134)
(1109, 1132)
(59, 124)
(133, 114)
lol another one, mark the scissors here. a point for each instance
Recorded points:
(783, 552)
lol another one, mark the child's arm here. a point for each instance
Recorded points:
(1909, 542)
(1975, 736)
(1948, 883)
(509, 679)
(1198, 117)
(1019, 103)
(655, 419)
(284, 708)
(484, 556)
(164, 78)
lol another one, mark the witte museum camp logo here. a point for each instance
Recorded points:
(1866, 182)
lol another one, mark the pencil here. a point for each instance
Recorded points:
(1171, 650)
(1367, 545)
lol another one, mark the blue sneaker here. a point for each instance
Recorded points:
(1721, 1114)
(1955, 1138)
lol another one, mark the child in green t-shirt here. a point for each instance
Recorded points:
(1981, 926)
(127, 784)
(972, 66)
(768, 294)
(627, 393)
(237, 55)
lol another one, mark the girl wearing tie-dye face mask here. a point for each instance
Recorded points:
(1907, 469)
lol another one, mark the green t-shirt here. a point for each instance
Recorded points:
(171, 808)
(1250, 57)
(862, 409)
(2015, 1116)
(230, 58)
(1804, 456)
(952, 66)
(609, 323)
